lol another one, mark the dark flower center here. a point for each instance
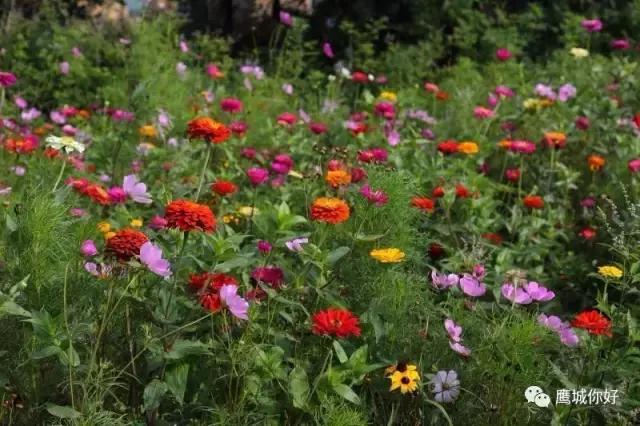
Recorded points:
(405, 380)
(401, 367)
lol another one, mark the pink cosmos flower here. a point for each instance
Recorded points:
(297, 244)
(76, 52)
(136, 190)
(287, 88)
(88, 248)
(460, 348)
(327, 50)
(531, 292)
(563, 329)
(184, 47)
(20, 102)
(471, 286)
(64, 68)
(453, 330)
(237, 305)
(151, 257)
(257, 175)
(591, 25)
(378, 197)
(443, 281)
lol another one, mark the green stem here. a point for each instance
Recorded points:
(66, 324)
(204, 170)
(55, 186)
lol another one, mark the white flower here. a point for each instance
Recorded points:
(66, 143)
(579, 52)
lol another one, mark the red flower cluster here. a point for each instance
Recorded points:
(336, 322)
(24, 145)
(533, 201)
(425, 204)
(208, 285)
(448, 147)
(189, 216)
(594, 322)
(96, 192)
(126, 243)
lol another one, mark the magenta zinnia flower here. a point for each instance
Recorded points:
(7, 79)
(591, 25)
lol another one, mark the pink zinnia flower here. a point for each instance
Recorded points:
(232, 105)
(620, 44)
(634, 165)
(481, 113)
(287, 119)
(591, 25)
(503, 54)
(378, 197)
(257, 175)
(88, 248)
(7, 79)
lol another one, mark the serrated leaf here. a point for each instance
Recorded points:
(342, 355)
(62, 412)
(176, 380)
(347, 393)
(153, 394)
(299, 387)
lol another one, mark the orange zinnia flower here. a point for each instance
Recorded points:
(97, 193)
(208, 129)
(126, 243)
(330, 210)
(189, 216)
(596, 162)
(339, 177)
(555, 139)
(423, 203)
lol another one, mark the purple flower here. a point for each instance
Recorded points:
(553, 322)
(184, 47)
(76, 52)
(286, 19)
(64, 67)
(136, 190)
(163, 119)
(446, 386)
(158, 222)
(393, 137)
(545, 91)
(88, 248)
(539, 293)
(18, 170)
(471, 286)
(100, 270)
(531, 292)
(151, 257)
(304, 116)
(443, 281)
(478, 271)
(30, 114)
(7, 79)
(453, 330)
(620, 44)
(591, 25)
(566, 92)
(378, 197)
(297, 244)
(566, 334)
(57, 117)
(236, 304)
(516, 295)
(568, 337)
(327, 50)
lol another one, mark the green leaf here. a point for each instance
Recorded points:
(46, 352)
(374, 237)
(337, 254)
(562, 377)
(176, 379)
(359, 357)
(233, 263)
(10, 223)
(183, 348)
(342, 355)
(346, 392)
(153, 394)
(62, 412)
(12, 308)
(299, 387)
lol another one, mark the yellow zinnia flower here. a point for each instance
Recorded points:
(610, 271)
(248, 211)
(387, 255)
(468, 147)
(147, 131)
(108, 235)
(404, 377)
(136, 223)
(104, 227)
(388, 96)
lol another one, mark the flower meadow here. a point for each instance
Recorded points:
(195, 237)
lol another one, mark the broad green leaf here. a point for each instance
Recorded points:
(46, 352)
(153, 394)
(342, 355)
(299, 387)
(346, 392)
(374, 237)
(12, 308)
(337, 254)
(233, 263)
(183, 348)
(358, 358)
(176, 379)
(62, 412)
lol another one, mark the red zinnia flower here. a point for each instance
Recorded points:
(189, 216)
(588, 233)
(423, 203)
(335, 322)
(533, 201)
(211, 302)
(126, 243)
(210, 281)
(359, 77)
(448, 147)
(593, 321)
(271, 275)
(462, 191)
(437, 192)
(208, 129)
(223, 187)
